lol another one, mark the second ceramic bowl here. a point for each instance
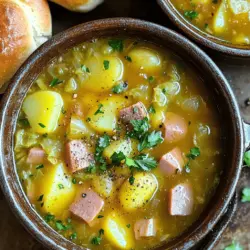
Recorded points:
(200, 36)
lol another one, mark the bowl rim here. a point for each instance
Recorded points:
(24, 212)
(200, 36)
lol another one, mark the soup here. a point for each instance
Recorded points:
(118, 145)
(225, 19)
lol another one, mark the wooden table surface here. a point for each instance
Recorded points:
(14, 237)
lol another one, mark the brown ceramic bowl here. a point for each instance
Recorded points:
(216, 84)
(200, 36)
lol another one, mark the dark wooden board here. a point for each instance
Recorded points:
(12, 234)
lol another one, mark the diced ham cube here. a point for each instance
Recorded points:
(87, 206)
(175, 127)
(181, 200)
(172, 162)
(144, 228)
(36, 156)
(77, 155)
(134, 112)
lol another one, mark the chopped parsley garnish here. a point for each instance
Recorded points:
(128, 225)
(191, 14)
(119, 88)
(40, 198)
(215, 1)
(193, 153)
(135, 110)
(45, 135)
(85, 69)
(116, 158)
(140, 132)
(206, 25)
(128, 58)
(99, 110)
(74, 180)
(63, 111)
(104, 141)
(40, 166)
(131, 180)
(61, 227)
(49, 217)
(106, 64)
(101, 144)
(60, 186)
(91, 169)
(151, 79)
(234, 246)
(150, 140)
(151, 110)
(41, 125)
(73, 236)
(97, 240)
(139, 128)
(55, 82)
(247, 158)
(245, 195)
(141, 162)
(100, 216)
(24, 122)
(103, 167)
(116, 44)
(88, 119)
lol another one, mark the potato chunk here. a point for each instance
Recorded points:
(78, 128)
(145, 59)
(123, 146)
(117, 233)
(103, 185)
(101, 79)
(157, 118)
(239, 6)
(43, 109)
(57, 189)
(220, 18)
(105, 120)
(140, 193)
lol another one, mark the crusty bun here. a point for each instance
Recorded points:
(24, 26)
(79, 5)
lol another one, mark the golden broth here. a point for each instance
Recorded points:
(225, 19)
(69, 75)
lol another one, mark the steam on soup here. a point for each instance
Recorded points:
(118, 145)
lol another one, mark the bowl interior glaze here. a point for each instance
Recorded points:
(200, 36)
(216, 84)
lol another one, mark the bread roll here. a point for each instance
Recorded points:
(24, 26)
(79, 5)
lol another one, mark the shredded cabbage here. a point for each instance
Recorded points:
(53, 149)
(26, 139)
(140, 93)
(159, 97)
(71, 85)
(192, 104)
(41, 84)
(78, 128)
